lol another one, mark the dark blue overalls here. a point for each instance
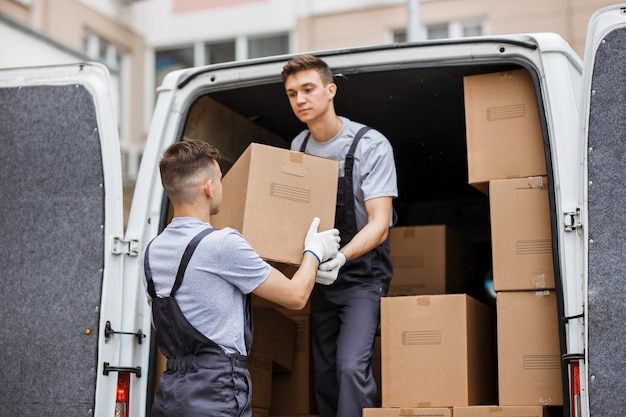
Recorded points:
(200, 379)
(346, 314)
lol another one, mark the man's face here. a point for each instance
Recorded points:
(308, 97)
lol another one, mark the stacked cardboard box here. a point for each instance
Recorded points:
(506, 160)
(429, 260)
(260, 368)
(437, 351)
(503, 129)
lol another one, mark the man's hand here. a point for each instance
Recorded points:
(328, 271)
(323, 245)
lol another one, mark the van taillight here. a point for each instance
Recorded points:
(574, 370)
(122, 394)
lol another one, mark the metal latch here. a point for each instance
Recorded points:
(571, 220)
(125, 247)
(132, 369)
(108, 332)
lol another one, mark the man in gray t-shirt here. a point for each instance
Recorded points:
(345, 305)
(198, 282)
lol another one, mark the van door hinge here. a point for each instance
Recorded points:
(125, 247)
(571, 220)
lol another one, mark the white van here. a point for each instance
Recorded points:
(76, 335)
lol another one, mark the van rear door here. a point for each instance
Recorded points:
(604, 127)
(60, 211)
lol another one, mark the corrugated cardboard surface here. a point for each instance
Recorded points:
(260, 412)
(429, 260)
(521, 238)
(407, 412)
(506, 411)
(274, 334)
(260, 368)
(271, 195)
(529, 366)
(504, 138)
(292, 392)
(437, 351)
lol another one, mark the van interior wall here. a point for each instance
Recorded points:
(419, 109)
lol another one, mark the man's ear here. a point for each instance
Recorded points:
(206, 187)
(332, 89)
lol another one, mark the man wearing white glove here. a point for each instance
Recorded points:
(345, 305)
(198, 282)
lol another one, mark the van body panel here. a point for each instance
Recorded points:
(61, 204)
(604, 135)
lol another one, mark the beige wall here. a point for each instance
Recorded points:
(357, 28)
(568, 18)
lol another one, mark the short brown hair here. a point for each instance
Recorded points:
(307, 62)
(184, 165)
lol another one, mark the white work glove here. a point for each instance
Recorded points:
(323, 245)
(328, 271)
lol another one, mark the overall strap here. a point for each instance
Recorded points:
(347, 169)
(355, 141)
(189, 250)
(305, 141)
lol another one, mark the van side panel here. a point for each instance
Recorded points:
(51, 240)
(607, 239)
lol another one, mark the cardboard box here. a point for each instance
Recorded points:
(271, 195)
(293, 392)
(260, 368)
(376, 369)
(505, 411)
(437, 351)
(521, 237)
(529, 360)
(407, 412)
(260, 412)
(429, 260)
(504, 136)
(274, 334)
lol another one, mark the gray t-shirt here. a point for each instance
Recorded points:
(374, 172)
(221, 271)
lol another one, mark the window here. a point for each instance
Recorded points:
(437, 31)
(457, 29)
(398, 36)
(217, 52)
(268, 45)
(167, 60)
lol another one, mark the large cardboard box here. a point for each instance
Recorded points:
(271, 195)
(407, 412)
(376, 367)
(260, 412)
(504, 136)
(437, 351)
(260, 368)
(529, 365)
(521, 238)
(429, 260)
(505, 411)
(293, 392)
(274, 334)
